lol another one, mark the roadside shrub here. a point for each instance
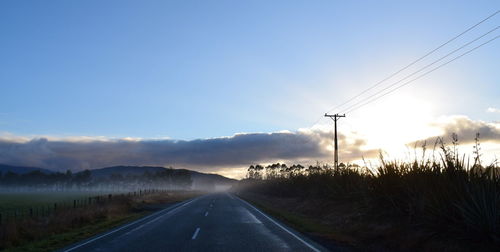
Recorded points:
(446, 195)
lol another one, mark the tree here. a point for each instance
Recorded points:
(82, 178)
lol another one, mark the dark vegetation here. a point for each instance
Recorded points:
(57, 181)
(442, 202)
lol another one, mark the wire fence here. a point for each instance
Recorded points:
(50, 209)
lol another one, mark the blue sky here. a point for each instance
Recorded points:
(198, 69)
(88, 84)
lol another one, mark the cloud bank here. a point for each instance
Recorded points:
(240, 150)
(237, 150)
(466, 129)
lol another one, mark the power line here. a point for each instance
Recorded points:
(411, 64)
(422, 75)
(421, 69)
(414, 62)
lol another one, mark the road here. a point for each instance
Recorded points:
(214, 222)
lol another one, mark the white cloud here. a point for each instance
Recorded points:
(467, 128)
(493, 110)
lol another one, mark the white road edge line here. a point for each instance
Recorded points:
(230, 196)
(206, 213)
(133, 230)
(277, 224)
(195, 233)
(132, 223)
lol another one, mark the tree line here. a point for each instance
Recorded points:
(37, 180)
(278, 170)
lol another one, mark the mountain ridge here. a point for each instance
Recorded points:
(200, 180)
(4, 168)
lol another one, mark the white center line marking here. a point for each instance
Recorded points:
(195, 233)
(206, 213)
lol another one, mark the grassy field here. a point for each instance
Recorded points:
(66, 226)
(11, 201)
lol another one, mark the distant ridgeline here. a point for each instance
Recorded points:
(116, 178)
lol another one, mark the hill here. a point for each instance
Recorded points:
(21, 169)
(201, 181)
(124, 170)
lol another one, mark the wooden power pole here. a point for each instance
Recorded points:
(335, 117)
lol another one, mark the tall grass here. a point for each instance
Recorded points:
(445, 194)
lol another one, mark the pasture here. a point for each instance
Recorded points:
(23, 201)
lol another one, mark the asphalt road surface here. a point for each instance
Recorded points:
(215, 222)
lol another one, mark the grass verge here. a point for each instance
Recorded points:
(425, 204)
(60, 240)
(69, 226)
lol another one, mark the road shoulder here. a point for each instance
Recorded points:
(313, 231)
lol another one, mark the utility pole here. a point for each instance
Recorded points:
(336, 147)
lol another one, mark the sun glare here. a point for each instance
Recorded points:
(409, 120)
